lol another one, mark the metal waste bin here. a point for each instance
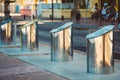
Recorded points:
(29, 36)
(100, 51)
(6, 32)
(62, 43)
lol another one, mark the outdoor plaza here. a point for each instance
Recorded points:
(22, 62)
(52, 44)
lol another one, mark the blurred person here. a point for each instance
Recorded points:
(104, 12)
(112, 12)
(76, 14)
(95, 12)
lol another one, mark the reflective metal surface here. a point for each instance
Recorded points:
(6, 35)
(100, 51)
(61, 43)
(29, 37)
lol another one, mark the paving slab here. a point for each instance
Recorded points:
(74, 70)
(16, 50)
(15, 69)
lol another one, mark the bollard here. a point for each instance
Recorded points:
(62, 18)
(24, 17)
(62, 43)
(6, 32)
(33, 16)
(100, 51)
(50, 17)
(29, 36)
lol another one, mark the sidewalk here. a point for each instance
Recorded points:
(15, 69)
(36, 65)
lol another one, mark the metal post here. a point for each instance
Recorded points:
(7, 9)
(118, 11)
(100, 7)
(31, 11)
(52, 10)
(15, 33)
(36, 10)
(1, 10)
(86, 11)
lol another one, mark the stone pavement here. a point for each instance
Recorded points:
(36, 65)
(17, 65)
(15, 69)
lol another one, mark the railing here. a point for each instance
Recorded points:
(62, 43)
(100, 51)
(29, 36)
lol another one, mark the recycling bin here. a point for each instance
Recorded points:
(62, 43)
(29, 36)
(100, 51)
(6, 32)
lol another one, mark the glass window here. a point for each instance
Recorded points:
(67, 1)
(82, 3)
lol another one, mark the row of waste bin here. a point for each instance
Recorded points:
(99, 44)
(99, 47)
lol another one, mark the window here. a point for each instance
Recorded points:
(67, 1)
(81, 3)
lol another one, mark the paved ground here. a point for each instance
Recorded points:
(36, 65)
(15, 69)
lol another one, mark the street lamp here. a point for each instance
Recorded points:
(52, 10)
(7, 8)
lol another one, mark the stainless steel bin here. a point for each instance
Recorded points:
(100, 51)
(6, 32)
(29, 36)
(62, 43)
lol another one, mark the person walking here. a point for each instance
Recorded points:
(95, 12)
(112, 12)
(104, 12)
(78, 14)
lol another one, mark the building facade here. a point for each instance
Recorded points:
(61, 7)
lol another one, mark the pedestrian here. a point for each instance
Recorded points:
(95, 12)
(78, 14)
(103, 12)
(112, 13)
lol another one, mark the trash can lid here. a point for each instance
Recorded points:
(6, 21)
(28, 24)
(66, 25)
(100, 32)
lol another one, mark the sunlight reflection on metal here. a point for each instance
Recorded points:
(29, 36)
(6, 35)
(61, 43)
(100, 51)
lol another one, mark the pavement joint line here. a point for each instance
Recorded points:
(43, 54)
(46, 44)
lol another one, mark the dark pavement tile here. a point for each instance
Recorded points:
(14, 69)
